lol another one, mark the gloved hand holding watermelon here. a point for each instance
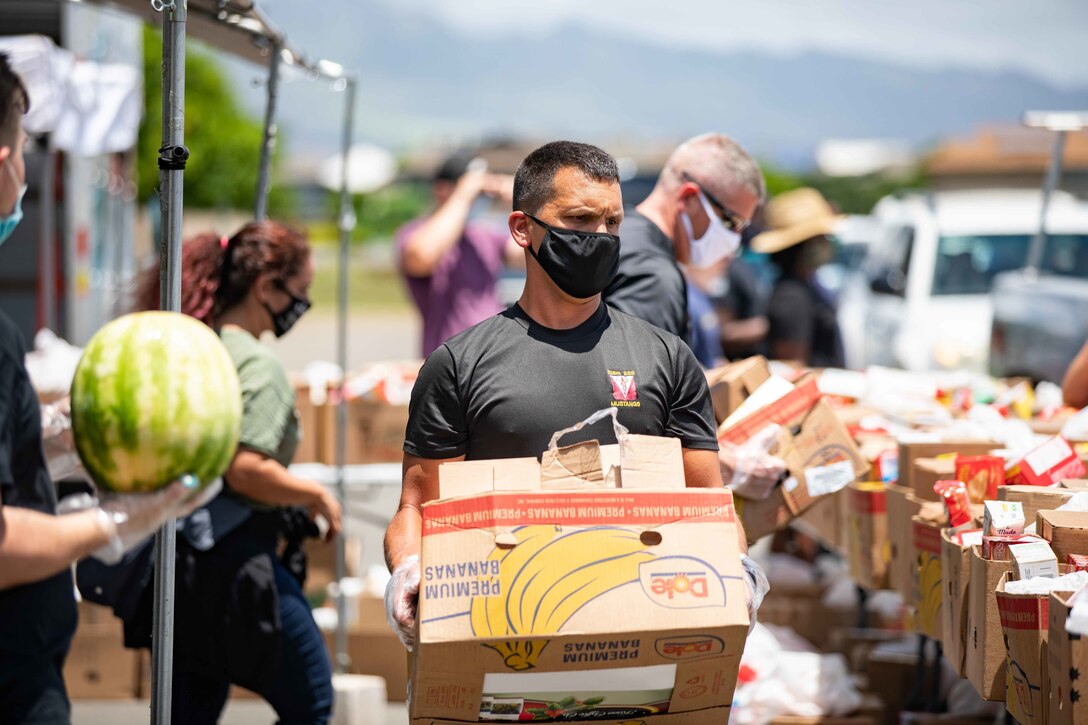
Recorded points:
(128, 519)
(155, 398)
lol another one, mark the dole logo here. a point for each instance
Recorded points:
(689, 648)
(681, 582)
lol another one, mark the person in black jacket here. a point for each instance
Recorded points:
(38, 547)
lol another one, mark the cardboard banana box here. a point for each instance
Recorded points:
(600, 604)
(1025, 622)
(903, 506)
(868, 534)
(955, 577)
(928, 594)
(985, 649)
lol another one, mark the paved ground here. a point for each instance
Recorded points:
(372, 337)
(241, 712)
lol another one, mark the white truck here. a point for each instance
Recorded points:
(923, 298)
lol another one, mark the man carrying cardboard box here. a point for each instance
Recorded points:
(503, 387)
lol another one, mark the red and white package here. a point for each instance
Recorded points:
(968, 537)
(954, 495)
(1050, 463)
(996, 548)
(1077, 562)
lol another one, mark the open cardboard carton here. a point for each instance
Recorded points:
(1067, 531)
(732, 384)
(984, 639)
(1035, 498)
(1067, 665)
(826, 522)
(819, 453)
(955, 576)
(1025, 622)
(589, 587)
(927, 471)
(868, 545)
(934, 445)
(903, 506)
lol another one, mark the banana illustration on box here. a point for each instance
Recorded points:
(547, 577)
(929, 589)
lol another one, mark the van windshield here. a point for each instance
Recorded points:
(967, 265)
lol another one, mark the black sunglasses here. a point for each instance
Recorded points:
(733, 220)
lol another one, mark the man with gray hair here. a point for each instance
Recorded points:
(704, 198)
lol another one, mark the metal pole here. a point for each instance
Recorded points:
(48, 244)
(347, 226)
(1053, 175)
(264, 174)
(172, 158)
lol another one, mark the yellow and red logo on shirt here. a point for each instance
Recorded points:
(624, 389)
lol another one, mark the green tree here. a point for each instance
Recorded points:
(382, 212)
(849, 194)
(224, 143)
(858, 194)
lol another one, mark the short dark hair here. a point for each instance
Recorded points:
(454, 166)
(14, 101)
(534, 181)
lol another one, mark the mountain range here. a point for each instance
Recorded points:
(424, 83)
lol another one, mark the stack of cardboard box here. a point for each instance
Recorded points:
(821, 457)
(376, 411)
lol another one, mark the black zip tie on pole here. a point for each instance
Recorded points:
(173, 158)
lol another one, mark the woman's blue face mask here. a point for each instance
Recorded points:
(10, 221)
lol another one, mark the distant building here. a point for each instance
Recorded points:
(864, 156)
(1007, 157)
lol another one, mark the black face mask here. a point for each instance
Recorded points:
(285, 320)
(580, 263)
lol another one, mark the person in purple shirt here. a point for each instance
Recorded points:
(451, 263)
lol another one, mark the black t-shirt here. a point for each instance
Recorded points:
(501, 388)
(649, 283)
(740, 300)
(800, 312)
(741, 297)
(37, 620)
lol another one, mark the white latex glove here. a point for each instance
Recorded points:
(129, 519)
(402, 600)
(756, 587)
(57, 442)
(749, 469)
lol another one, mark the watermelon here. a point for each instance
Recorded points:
(155, 396)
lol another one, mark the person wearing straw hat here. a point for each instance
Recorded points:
(801, 313)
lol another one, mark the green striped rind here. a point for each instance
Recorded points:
(155, 397)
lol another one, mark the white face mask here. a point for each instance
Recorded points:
(717, 242)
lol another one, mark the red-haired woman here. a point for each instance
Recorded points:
(241, 617)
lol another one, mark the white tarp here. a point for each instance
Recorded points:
(90, 108)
